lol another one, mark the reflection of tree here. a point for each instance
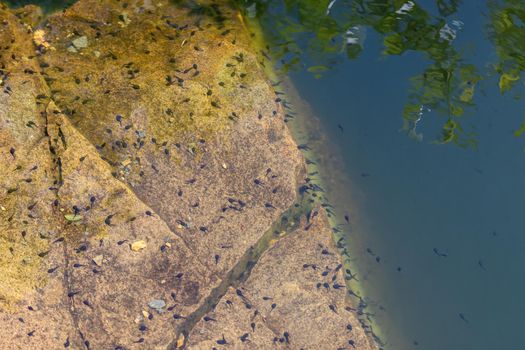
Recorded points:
(448, 84)
(445, 87)
(327, 28)
(507, 32)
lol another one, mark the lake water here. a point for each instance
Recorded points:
(435, 229)
(406, 198)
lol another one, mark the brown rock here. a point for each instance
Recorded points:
(117, 293)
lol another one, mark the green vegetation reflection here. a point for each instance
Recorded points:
(328, 31)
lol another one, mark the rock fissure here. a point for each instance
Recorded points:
(59, 165)
(285, 225)
(68, 300)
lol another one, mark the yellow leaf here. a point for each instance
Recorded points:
(138, 245)
(98, 259)
(180, 341)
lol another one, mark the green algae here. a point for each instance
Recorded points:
(146, 67)
(48, 6)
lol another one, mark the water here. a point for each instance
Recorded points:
(406, 198)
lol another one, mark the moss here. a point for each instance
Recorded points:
(173, 85)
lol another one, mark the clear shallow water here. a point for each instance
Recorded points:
(406, 198)
(410, 197)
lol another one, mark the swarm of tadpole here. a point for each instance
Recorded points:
(143, 154)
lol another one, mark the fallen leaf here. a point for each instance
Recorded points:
(73, 217)
(180, 341)
(138, 245)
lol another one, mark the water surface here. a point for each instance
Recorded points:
(406, 197)
(406, 194)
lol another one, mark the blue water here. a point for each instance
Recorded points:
(406, 198)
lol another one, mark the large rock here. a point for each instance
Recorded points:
(202, 155)
(142, 153)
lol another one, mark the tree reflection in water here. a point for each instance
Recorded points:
(320, 34)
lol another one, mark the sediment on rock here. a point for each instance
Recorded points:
(119, 287)
(286, 224)
(294, 298)
(33, 304)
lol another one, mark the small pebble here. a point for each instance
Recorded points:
(157, 304)
(98, 259)
(80, 42)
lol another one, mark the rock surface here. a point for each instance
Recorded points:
(140, 167)
(294, 298)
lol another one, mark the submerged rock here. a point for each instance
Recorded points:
(294, 298)
(163, 130)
